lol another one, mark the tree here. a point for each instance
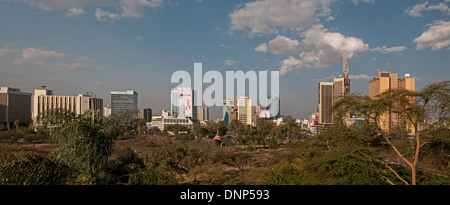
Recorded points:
(418, 111)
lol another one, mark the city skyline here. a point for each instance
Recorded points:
(100, 46)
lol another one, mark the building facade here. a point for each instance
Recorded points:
(203, 113)
(245, 110)
(325, 103)
(145, 113)
(14, 105)
(44, 100)
(123, 100)
(386, 81)
(182, 103)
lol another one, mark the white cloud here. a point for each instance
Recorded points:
(74, 11)
(73, 66)
(39, 57)
(323, 48)
(130, 9)
(64, 4)
(262, 48)
(416, 11)
(229, 62)
(5, 51)
(268, 16)
(356, 2)
(436, 37)
(360, 77)
(385, 49)
(289, 64)
(283, 45)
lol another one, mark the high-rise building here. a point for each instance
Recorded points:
(145, 113)
(182, 103)
(325, 103)
(44, 100)
(229, 110)
(245, 110)
(386, 81)
(14, 105)
(203, 113)
(123, 100)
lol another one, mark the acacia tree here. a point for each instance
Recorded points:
(421, 110)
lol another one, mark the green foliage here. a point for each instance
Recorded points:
(33, 170)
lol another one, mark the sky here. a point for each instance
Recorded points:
(78, 46)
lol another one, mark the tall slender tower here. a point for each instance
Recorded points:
(346, 79)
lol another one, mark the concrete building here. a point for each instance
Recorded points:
(386, 81)
(44, 100)
(203, 113)
(14, 105)
(245, 110)
(182, 103)
(325, 103)
(107, 111)
(229, 110)
(123, 100)
(145, 113)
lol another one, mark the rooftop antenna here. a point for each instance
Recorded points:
(389, 64)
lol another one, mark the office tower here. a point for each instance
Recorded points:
(203, 113)
(44, 100)
(123, 100)
(245, 110)
(346, 78)
(145, 113)
(14, 105)
(107, 111)
(325, 103)
(229, 110)
(182, 103)
(389, 81)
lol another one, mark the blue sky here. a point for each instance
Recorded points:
(103, 45)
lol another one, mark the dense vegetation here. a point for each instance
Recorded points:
(89, 149)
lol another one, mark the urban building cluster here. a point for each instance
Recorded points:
(17, 105)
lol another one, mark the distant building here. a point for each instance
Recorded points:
(390, 81)
(245, 110)
(107, 111)
(182, 103)
(229, 110)
(325, 103)
(203, 113)
(123, 100)
(145, 113)
(44, 100)
(14, 105)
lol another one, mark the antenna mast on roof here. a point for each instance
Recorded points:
(345, 65)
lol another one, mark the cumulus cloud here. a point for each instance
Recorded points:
(416, 11)
(74, 11)
(322, 48)
(289, 64)
(436, 37)
(284, 45)
(269, 16)
(262, 48)
(130, 9)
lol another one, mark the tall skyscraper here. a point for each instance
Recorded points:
(245, 110)
(14, 105)
(145, 113)
(123, 100)
(203, 113)
(389, 81)
(182, 103)
(44, 100)
(229, 110)
(325, 103)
